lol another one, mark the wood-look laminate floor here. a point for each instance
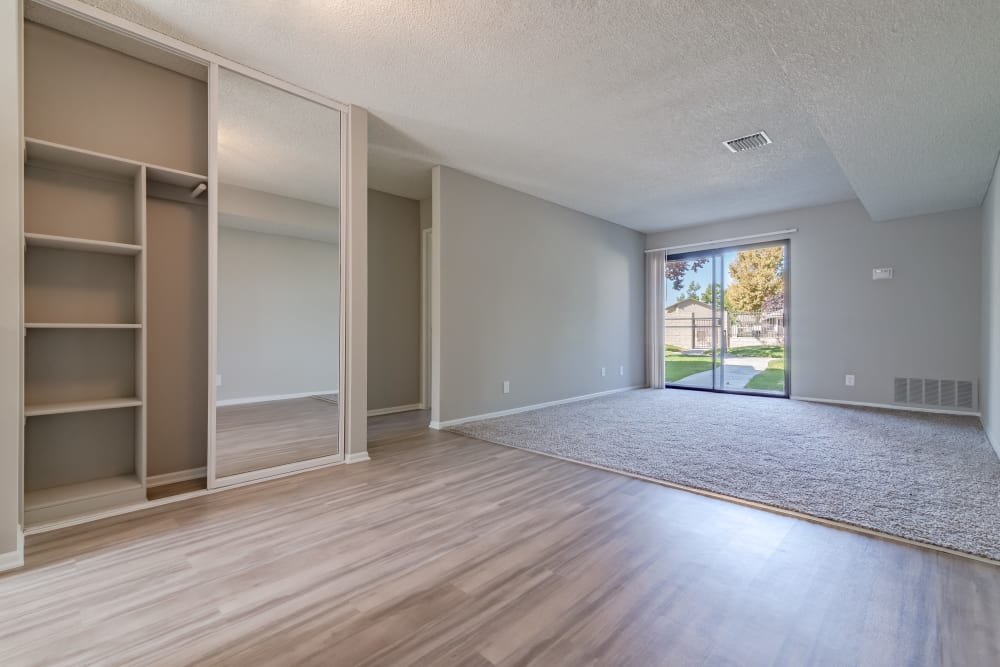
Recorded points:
(445, 550)
(254, 436)
(176, 488)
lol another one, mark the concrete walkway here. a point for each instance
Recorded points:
(739, 371)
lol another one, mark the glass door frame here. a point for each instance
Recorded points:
(715, 256)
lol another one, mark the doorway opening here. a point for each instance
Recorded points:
(726, 315)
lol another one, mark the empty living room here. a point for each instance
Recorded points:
(499, 334)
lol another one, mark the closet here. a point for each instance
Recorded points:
(182, 223)
(115, 267)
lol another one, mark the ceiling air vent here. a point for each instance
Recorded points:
(747, 143)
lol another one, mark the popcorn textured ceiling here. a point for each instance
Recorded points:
(619, 109)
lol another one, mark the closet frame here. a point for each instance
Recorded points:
(353, 267)
(214, 480)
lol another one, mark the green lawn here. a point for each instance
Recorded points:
(773, 351)
(773, 379)
(680, 366)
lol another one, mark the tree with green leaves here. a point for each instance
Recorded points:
(756, 275)
(712, 293)
(693, 288)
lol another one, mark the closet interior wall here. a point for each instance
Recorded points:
(115, 272)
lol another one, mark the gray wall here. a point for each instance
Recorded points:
(284, 255)
(10, 274)
(393, 301)
(278, 315)
(268, 213)
(990, 387)
(925, 322)
(530, 292)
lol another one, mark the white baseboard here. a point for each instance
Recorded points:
(179, 476)
(275, 397)
(888, 406)
(14, 559)
(391, 411)
(528, 408)
(358, 457)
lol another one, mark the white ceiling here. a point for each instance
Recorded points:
(619, 109)
(275, 142)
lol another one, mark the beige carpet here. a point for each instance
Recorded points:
(930, 478)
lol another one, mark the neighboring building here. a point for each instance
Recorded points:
(688, 325)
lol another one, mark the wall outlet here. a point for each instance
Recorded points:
(621, 371)
(849, 380)
(218, 380)
(604, 371)
(506, 386)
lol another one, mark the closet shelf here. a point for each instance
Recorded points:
(82, 491)
(78, 325)
(83, 245)
(38, 150)
(43, 409)
(176, 177)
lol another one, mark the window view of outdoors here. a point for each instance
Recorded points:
(747, 332)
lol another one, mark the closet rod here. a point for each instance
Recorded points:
(729, 240)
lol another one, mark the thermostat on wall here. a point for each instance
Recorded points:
(882, 274)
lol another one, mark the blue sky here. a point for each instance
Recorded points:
(702, 276)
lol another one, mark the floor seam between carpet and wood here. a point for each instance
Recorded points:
(924, 478)
(754, 504)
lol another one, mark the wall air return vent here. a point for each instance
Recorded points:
(747, 143)
(934, 393)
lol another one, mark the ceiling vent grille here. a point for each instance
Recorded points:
(935, 393)
(749, 142)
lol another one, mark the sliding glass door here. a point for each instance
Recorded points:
(725, 319)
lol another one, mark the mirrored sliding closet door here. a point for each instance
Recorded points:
(278, 282)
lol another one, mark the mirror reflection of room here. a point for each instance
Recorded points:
(278, 337)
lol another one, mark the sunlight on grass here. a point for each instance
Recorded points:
(680, 366)
(775, 351)
(772, 379)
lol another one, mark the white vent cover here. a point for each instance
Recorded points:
(747, 143)
(935, 393)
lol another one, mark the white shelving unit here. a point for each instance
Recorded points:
(42, 409)
(69, 157)
(82, 469)
(78, 325)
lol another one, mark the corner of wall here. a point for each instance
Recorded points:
(11, 258)
(14, 559)
(354, 374)
(425, 213)
(989, 397)
(435, 226)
